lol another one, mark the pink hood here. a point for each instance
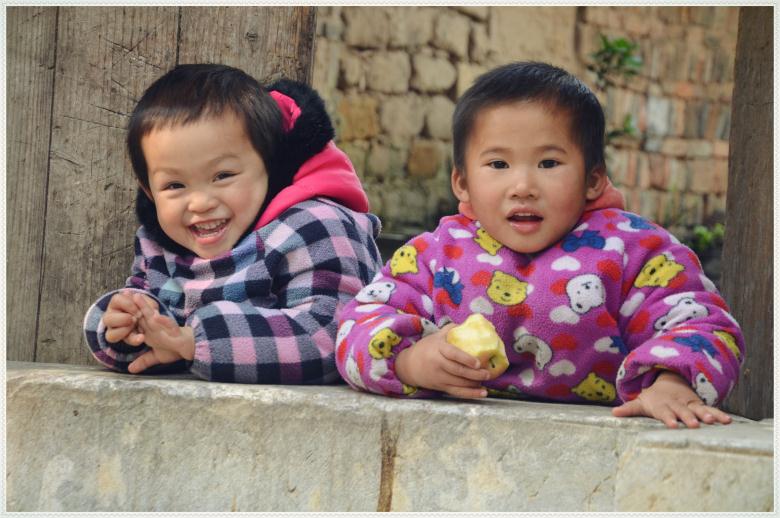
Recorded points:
(329, 173)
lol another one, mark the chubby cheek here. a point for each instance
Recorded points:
(170, 221)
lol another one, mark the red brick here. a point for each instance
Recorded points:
(720, 148)
(643, 170)
(425, 158)
(686, 90)
(701, 176)
(720, 176)
(674, 147)
(658, 167)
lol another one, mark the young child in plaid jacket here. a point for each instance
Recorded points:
(254, 232)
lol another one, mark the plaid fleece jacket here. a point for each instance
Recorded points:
(263, 313)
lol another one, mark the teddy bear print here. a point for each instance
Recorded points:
(585, 293)
(382, 343)
(594, 388)
(658, 271)
(684, 310)
(376, 292)
(404, 260)
(486, 242)
(527, 343)
(506, 290)
(705, 389)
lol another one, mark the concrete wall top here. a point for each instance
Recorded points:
(85, 439)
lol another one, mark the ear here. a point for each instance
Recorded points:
(595, 183)
(459, 186)
(146, 190)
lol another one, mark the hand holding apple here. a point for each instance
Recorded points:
(477, 337)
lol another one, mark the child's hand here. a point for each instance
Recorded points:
(121, 319)
(167, 341)
(434, 364)
(671, 398)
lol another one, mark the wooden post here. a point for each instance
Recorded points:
(30, 83)
(747, 250)
(75, 74)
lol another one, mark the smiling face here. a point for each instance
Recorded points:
(525, 177)
(207, 182)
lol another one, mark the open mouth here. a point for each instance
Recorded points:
(525, 217)
(209, 228)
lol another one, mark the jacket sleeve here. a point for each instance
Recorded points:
(117, 356)
(315, 261)
(673, 318)
(386, 317)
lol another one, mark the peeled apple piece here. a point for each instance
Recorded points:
(477, 337)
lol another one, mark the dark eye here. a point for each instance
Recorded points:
(548, 164)
(223, 175)
(498, 164)
(173, 185)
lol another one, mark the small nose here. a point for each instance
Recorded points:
(523, 184)
(202, 201)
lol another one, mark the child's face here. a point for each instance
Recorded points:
(525, 177)
(207, 182)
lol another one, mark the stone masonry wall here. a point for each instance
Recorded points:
(391, 75)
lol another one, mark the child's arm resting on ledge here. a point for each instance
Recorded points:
(685, 347)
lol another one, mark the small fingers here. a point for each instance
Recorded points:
(122, 302)
(143, 362)
(135, 338)
(454, 354)
(117, 334)
(629, 409)
(151, 302)
(466, 392)
(709, 414)
(118, 319)
(685, 414)
(461, 371)
(666, 415)
(166, 322)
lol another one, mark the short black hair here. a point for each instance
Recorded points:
(532, 81)
(190, 92)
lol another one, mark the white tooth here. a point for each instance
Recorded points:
(209, 226)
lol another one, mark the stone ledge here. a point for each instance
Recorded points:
(86, 439)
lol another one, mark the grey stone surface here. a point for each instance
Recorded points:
(389, 72)
(85, 439)
(724, 468)
(451, 33)
(432, 74)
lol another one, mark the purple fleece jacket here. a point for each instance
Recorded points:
(593, 318)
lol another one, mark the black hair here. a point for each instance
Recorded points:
(188, 93)
(532, 81)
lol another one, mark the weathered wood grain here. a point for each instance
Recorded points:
(747, 251)
(266, 42)
(106, 57)
(30, 72)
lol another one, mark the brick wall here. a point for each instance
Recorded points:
(391, 75)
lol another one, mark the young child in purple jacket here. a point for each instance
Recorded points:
(254, 232)
(594, 304)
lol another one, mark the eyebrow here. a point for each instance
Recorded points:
(551, 147)
(539, 149)
(215, 160)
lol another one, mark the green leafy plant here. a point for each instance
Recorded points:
(702, 239)
(616, 57)
(627, 130)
